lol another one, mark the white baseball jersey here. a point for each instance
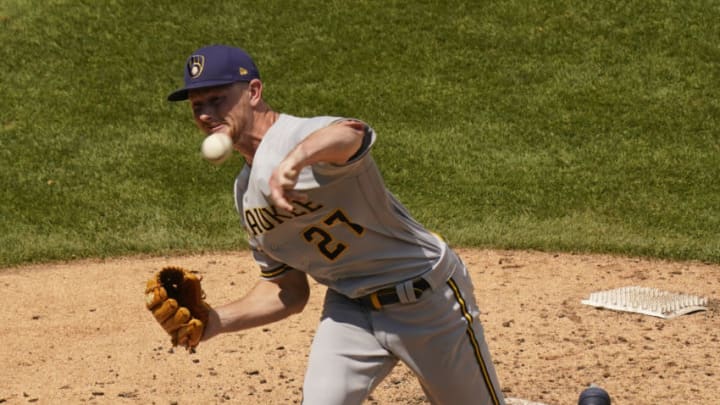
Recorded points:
(351, 234)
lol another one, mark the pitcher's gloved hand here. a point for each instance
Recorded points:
(175, 298)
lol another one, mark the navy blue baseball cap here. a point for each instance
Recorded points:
(215, 65)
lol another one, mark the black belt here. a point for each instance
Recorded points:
(388, 296)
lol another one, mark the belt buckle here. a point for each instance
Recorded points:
(375, 301)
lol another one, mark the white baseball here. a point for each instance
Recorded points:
(216, 147)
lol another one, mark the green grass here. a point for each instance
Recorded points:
(552, 125)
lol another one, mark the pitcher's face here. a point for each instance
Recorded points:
(224, 109)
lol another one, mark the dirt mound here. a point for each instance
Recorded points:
(79, 333)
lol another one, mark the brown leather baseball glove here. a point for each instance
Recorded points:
(175, 298)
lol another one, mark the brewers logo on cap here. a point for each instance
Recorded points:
(195, 65)
(242, 71)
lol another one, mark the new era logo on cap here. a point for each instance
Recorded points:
(216, 65)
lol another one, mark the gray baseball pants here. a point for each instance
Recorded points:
(438, 336)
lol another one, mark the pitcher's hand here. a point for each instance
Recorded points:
(282, 184)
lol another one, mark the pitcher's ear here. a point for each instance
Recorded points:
(255, 88)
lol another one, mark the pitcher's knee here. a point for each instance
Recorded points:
(332, 391)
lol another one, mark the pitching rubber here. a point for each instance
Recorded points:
(594, 396)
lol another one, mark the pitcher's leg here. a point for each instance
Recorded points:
(486, 389)
(441, 339)
(346, 361)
